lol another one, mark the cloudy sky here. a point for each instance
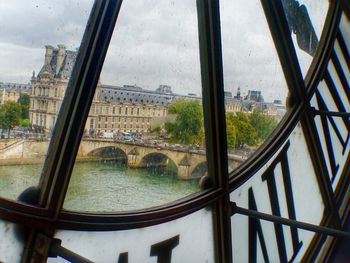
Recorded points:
(155, 42)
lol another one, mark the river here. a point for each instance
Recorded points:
(103, 186)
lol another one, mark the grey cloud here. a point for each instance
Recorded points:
(155, 42)
(37, 23)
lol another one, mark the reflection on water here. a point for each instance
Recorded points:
(98, 186)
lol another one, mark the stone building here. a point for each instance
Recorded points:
(232, 104)
(12, 91)
(114, 109)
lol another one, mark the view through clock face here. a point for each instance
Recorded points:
(193, 131)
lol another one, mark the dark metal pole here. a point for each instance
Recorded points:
(289, 222)
(57, 250)
(214, 120)
(331, 113)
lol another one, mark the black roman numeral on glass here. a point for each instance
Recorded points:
(329, 124)
(255, 229)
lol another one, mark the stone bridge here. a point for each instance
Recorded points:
(190, 164)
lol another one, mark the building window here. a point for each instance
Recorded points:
(54, 106)
(91, 124)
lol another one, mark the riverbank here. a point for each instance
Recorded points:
(40, 160)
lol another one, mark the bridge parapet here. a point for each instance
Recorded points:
(189, 163)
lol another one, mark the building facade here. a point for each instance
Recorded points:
(114, 109)
(12, 91)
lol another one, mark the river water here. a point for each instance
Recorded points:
(103, 186)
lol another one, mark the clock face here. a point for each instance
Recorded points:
(176, 132)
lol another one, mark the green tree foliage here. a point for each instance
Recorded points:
(188, 126)
(263, 124)
(25, 122)
(246, 134)
(242, 128)
(10, 115)
(23, 100)
(231, 131)
(156, 129)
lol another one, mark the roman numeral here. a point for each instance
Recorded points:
(326, 120)
(161, 250)
(255, 228)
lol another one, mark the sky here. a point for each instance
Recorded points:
(154, 42)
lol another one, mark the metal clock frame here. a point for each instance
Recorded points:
(47, 215)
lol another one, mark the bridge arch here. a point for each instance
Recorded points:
(109, 153)
(158, 159)
(199, 170)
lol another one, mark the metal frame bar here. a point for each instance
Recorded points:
(314, 76)
(67, 136)
(73, 114)
(281, 35)
(76, 104)
(288, 222)
(284, 44)
(56, 250)
(214, 120)
(330, 113)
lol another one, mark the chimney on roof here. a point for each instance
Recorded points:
(48, 54)
(60, 57)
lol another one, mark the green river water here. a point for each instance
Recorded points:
(103, 186)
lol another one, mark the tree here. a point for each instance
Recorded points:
(245, 132)
(25, 122)
(10, 115)
(231, 131)
(23, 100)
(188, 125)
(263, 124)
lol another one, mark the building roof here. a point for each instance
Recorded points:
(16, 87)
(59, 70)
(133, 94)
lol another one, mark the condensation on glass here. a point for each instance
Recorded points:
(306, 20)
(278, 188)
(38, 47)
(255, 88)
(143, 144)
(11, 242)
(188, 239)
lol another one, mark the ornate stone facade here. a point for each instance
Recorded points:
(114, 109)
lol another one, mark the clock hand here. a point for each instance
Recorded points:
(300, 24)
